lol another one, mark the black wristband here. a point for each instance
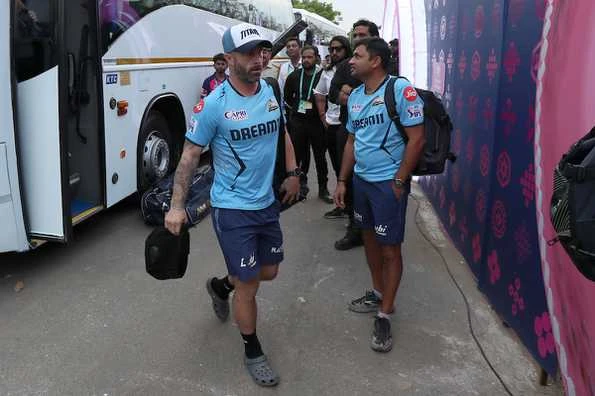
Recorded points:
(296, 172)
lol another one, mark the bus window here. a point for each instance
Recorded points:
(33, 31)
(117, 16)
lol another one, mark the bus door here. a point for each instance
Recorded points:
(82, 100)
(55, 48)
(13, 236)
(41, 147)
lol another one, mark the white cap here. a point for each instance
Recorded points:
(244, 38)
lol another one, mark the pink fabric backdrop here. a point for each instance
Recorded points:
(565, 112)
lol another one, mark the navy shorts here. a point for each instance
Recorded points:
(376, 207)
(249, 239)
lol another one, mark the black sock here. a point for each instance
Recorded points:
(252, 345)
(227, 284)
(222, 287)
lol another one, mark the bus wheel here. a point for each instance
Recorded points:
(155, 151)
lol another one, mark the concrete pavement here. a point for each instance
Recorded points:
(90, 321)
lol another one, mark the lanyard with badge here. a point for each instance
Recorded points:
(305, 105)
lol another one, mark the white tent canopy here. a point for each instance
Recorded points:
(406, 20)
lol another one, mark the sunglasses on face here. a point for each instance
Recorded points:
(335, 49)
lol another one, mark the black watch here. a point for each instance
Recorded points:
(296, 172)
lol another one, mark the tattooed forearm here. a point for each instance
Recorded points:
(184, 173)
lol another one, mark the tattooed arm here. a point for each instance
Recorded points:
(176, 217)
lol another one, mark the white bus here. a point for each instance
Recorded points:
(320, 30)
(95, 96)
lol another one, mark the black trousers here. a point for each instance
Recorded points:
(309, 132)
(341, 141)
(331, 141)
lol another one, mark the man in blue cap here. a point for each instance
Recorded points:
(240, 121)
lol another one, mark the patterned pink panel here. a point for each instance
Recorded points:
(564, 112)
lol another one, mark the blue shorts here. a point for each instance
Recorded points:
(376, 207)
(249, 239)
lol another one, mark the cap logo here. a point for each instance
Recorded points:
(248, 32)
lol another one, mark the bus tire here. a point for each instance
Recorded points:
(156, 151)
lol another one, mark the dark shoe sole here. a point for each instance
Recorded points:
(334, 217)
(366, 309)
(348, 245)
(382, 348)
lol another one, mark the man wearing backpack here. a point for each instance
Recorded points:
(382, 164)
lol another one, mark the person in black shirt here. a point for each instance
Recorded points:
(306, 127)
(341, 86)
(394, 57)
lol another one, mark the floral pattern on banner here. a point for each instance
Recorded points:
(486, 199)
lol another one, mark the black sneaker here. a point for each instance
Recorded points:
(382, 339)
(336, 213)
(352, 238)
(369, 302)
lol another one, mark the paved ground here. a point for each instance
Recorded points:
(89, 321)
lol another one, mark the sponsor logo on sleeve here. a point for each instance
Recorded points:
(198, 108)
(415, 111)
(410, 94)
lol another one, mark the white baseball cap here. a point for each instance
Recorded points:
(243, 38)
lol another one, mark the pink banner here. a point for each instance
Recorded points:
(564, 113)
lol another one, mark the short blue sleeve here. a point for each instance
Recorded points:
(409, 105)
(203, 124)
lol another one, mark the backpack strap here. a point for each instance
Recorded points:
(579, 152)
(391, 105)
(274, 84)
(578, 172)
(280, 161)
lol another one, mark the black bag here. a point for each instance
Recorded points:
(166, 255)
(156, 201)
(280, 172)
(437, 125)
(572, 207)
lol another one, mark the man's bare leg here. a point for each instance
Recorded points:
(393, 271)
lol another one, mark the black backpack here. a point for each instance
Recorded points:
(438, 129)
(280, 170)
(572, 207)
